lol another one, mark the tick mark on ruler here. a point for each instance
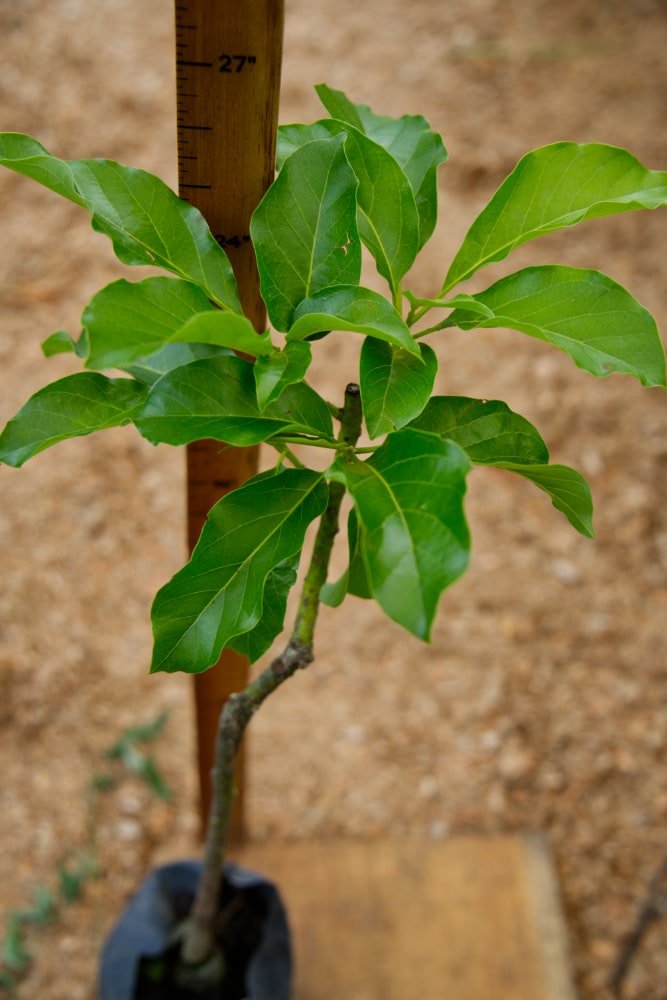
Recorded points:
(203, 187)
(198, 128)
(192, 62)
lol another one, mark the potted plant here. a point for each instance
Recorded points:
(401, 453)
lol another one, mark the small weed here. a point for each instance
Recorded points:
(79, 867)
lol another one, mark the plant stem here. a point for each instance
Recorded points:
(198, 941)
(416, 313)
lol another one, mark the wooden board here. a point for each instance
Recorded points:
(228, 58)
(471, 918)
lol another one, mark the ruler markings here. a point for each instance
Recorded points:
(224, 37)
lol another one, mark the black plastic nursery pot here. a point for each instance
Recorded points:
(138, 957)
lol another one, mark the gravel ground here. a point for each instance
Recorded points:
(540, 703)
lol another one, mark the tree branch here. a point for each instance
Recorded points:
(653, 908)
(198, 941)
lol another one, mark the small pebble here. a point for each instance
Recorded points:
(130, 805)
(428, 787)
(355, 734)
(566, 571)
(438, 830)
(515, 762)
(128, 830)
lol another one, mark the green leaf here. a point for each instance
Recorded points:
(395, 386)
(569, 491)
(26, 156)
(219, 594)
(145, 732)
(149, 369)
(61, 343)
(14, 954)
(71, 883)
(305, 231)
(485, 428)
(146, 221)
(409, 139)
(294, 137)
(388, 218)
(128, 321)
(254, 644)
(71, 407)
(225, 330)
(352, 308)
(43, 909)
(102, 782)
(333, 593)
(553, 187)
(584, 313)
(414, 537)
(274, 372)
(152, 776)
(141, 764)
(492, 434)
(72, 878)
(215, 398)
(355, 578)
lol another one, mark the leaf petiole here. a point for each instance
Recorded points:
(281, 439)
(429, 329)
(422, 306)
(285, 452)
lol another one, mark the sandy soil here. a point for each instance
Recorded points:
(541, 702)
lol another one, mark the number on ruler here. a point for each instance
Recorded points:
(232, 241)
(227, 62)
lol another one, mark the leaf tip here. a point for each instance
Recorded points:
(587, 529)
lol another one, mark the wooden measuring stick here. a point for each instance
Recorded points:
(228, 57)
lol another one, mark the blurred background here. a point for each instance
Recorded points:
(541, 703)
